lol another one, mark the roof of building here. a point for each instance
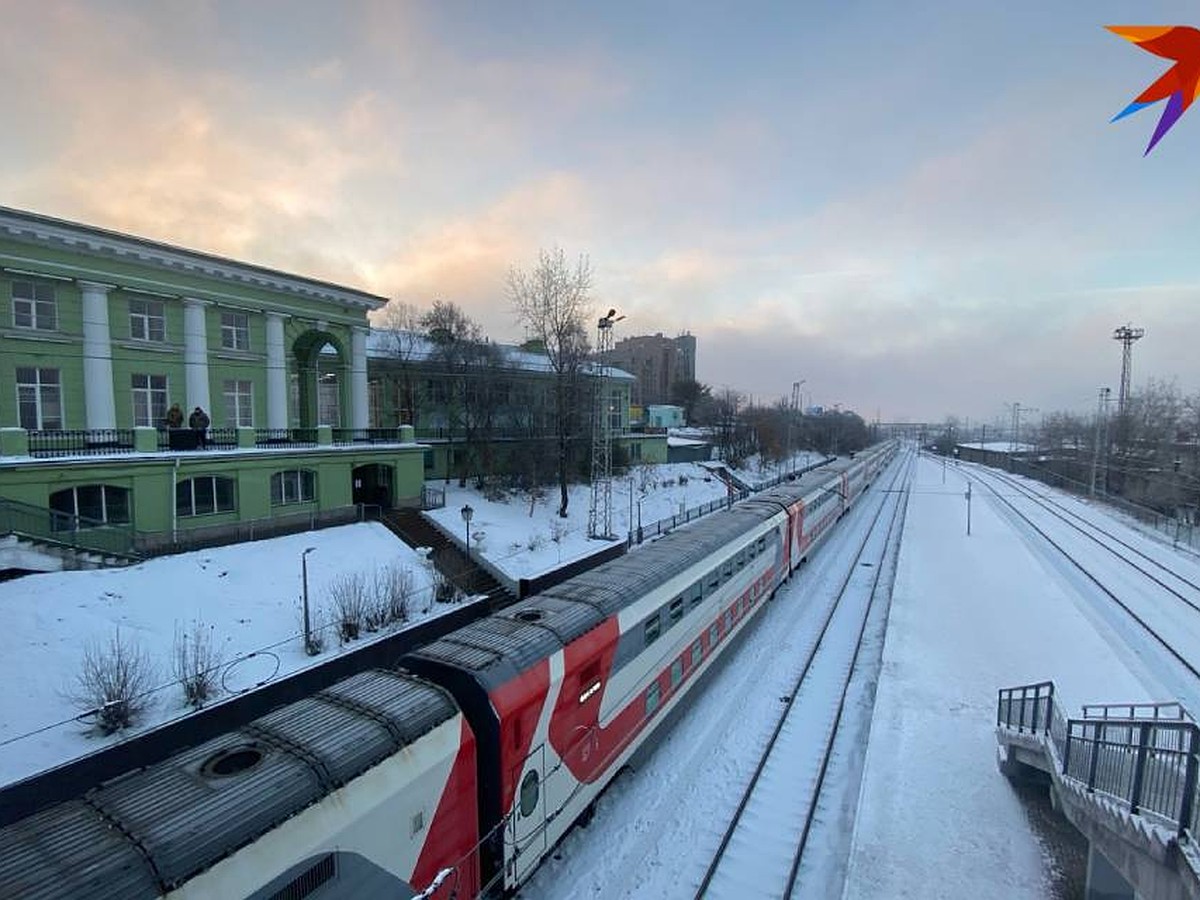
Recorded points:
(383, 343)
(60, 234)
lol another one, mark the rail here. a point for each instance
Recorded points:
(66, 530)
(348, 436)
(82, 442)
(1147, 761)
(285, 437)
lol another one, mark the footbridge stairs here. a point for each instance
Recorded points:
(1125, 775)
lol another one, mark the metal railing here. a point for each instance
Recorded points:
(1147, 759)
(344, 436)
(66, 530)
(285, 437)
(433, 497)
(84, 442)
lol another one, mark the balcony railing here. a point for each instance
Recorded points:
(345, 436)
(285, 437)
(93, 442)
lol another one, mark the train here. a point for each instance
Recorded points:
(455, 772)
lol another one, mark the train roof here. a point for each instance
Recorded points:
(154, 828)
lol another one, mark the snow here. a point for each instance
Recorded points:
(916, 805)
(250, 595)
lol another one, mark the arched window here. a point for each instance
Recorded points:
(293, 486)
(90, 505)
(204, 495)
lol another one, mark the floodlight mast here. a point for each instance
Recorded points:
(600, 508)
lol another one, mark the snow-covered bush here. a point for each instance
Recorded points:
(113, 682)
(393, 592)
(351, 599)
(196, 663)
(534, 542)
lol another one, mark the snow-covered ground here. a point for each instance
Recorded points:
(934, 818)
(248, 598)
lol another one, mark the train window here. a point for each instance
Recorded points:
(728, 620)
(675, 611)
(727, 570)
(589, 681)
(653, 629)
(529, 793)
(762, 544)
(745, 604)
(714, 581)
(714, 635)
(740, 560)
(676, 672)
(695, 595)
(697, 653)
(652, 698)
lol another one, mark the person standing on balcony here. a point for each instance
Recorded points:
(174, 417)
(198, 421)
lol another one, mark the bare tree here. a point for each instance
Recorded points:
(400, 326)
(551, 301)
(458, 350)
(113, 682)
(196, 663)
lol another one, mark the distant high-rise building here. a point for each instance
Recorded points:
(657, 363)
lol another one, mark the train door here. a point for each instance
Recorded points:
(527, 827)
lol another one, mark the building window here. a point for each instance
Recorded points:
(235, 331)
(239, 403)
(93, 504)
(293, 486)
(149, 400)
(34, 305)
(39, 399)
(204, 495)
(147, 320)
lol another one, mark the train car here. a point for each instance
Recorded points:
(455, 774)
(368, 784)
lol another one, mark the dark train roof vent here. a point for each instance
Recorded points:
(232, 761)
(530, 615)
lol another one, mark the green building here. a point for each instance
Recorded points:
(102, 333)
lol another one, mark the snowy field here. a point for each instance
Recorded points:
(248, 598)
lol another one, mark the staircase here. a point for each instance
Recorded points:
(417, 531)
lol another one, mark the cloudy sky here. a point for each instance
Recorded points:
(920, 208)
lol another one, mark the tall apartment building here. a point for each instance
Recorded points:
(656, 362)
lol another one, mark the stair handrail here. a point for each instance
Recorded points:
(1114, 754)
(66, 529)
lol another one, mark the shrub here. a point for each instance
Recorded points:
(350, 598)
(195, 663)
(393, 591)
(113, 682)
(558, 530)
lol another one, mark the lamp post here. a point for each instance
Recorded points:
(308, 642)
(467, 512)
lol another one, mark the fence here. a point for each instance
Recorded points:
(285, 437)
(346, 436)
(1144, 755)
(160, 543)
(90, 442)
(66, 530)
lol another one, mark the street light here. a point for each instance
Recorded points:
(309, 647)
(467, 512)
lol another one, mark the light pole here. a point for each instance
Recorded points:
(467, 512)
(308, 642)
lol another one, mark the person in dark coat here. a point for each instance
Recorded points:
(174, 417)
(198, 421)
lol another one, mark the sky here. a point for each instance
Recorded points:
(920, 209)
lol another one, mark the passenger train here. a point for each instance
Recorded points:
(455, 772)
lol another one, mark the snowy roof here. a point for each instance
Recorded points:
(383, 343)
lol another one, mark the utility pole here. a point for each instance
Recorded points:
(1127, 335)
(600, 509)
(968, 509)
(1101, 427)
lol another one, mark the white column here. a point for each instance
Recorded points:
(358, 378)
(195, 356)
(277, 408)
(100, 408)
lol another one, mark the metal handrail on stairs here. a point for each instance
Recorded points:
(66, 530)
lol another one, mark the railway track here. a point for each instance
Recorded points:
(1185, 589)
(761, 850)
(1135, 597)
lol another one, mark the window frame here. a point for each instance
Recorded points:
(149, 312)
(38, 398)
(38, 307)
(105, 504)
(233, 416)
(235, 330)
(217, 509)
(154, 417)
(303, 478)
